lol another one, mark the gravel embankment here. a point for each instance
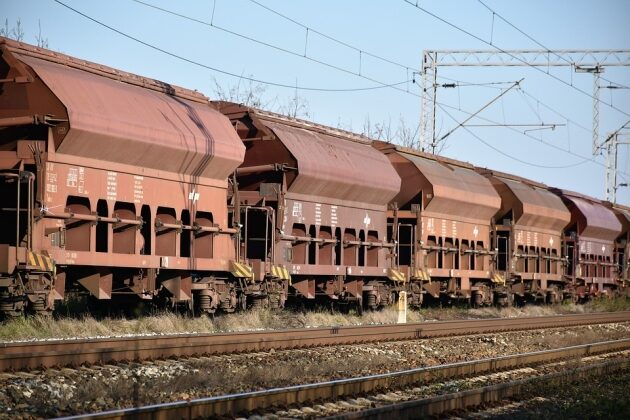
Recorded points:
(596, 397)
(73, 391)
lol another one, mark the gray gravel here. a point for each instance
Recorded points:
(73, 391)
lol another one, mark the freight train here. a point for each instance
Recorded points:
(129, 190)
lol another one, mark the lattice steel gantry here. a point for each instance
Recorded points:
(586, 61)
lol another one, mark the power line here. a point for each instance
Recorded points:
(331, 38)
(585, 159)
(462, 83)
(551, 145)
(215, 69)
(577, 124)
(504, 153)
(613, 85)
(523, 32)
(513, 56)
(251, 39)
(266, 44)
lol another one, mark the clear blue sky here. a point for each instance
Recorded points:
(392, 29)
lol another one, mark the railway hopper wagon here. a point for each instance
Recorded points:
(590, 245)
(111, 184)
(527, 235)
(622, 251)
(313, 202)
(440, 221)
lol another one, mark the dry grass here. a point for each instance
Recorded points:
(171, 323)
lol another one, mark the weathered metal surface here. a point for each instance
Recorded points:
(328, 190)
(444, 214)
(35, 354)
(532, 204)
(594, 220)
(623, 214)
(622, 254)
(528, 233)
(450, 188)
(128, 124)
(234, 404)
(334, 168)
(131, 174)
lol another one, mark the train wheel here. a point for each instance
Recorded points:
(572, 297)
(359, 306)
(553, 296)
(476, 299)
(11, 306)
(372, 301)
(40, 307)
(242, 302)
(260, 302)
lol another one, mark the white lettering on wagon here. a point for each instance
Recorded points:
(367, 220)
(297, 212)
(51, 185)
(72, 178)
(81, 186)
(431, 225)
(112, 185)
(138, 189)
(318, 214)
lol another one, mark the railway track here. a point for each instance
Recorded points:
(45, 354)
(238, 404)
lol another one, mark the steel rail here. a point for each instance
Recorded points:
(475, 397)
(236, 404)
(53, 353)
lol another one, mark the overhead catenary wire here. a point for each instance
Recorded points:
(494, 13)
(480, 110)
(332, 38)
(612, 84)
(585, 159)
(538, 140)
(478, 138)
(228, 73)
(461, 83)
(442, 106)
(544, 105)
(278, 48)
(478, 38)
(292, 86)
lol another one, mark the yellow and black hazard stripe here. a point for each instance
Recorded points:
(40, 261)
(498, 278)
(241, 270)
(396, 275)
(280, 272)
(421, 274)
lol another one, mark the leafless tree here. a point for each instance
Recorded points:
(404, 134)
(407, 135)
(244, 92)
(41, 41)
(296, 107)
(16, 32)
(253, 94)
(377, 131)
